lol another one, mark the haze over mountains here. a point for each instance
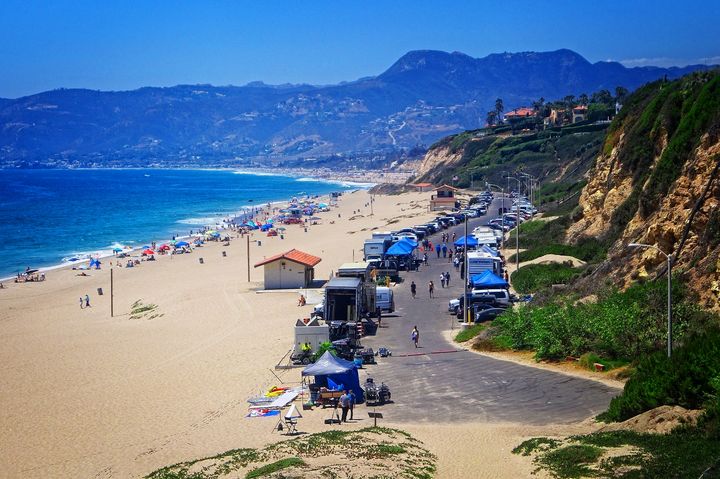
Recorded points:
(424, 96)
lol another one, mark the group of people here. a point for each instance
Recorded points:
(85, 302)
(347, 403)
(445, 279)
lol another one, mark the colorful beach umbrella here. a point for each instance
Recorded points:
(117, 250)
(181, 244)
(148, 252)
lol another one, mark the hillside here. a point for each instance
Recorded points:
(656, 182)
(559, 157)
(424, 96)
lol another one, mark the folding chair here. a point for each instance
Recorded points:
(291, 425)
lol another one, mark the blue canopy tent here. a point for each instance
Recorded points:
(330, 370)
(488, 280)
(400, 249)
(408, 241)
(471, 242)
(489, 249)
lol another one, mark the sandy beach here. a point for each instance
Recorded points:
(87, 395)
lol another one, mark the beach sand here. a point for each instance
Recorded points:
(87, 395)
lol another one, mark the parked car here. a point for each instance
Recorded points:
(501, 296)
(488, 314)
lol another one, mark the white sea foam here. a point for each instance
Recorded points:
(344, 183)
(256, 173)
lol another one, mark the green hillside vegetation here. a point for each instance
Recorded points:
(534, 277)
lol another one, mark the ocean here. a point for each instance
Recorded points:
(48, 217)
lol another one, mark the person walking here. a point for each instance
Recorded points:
(344, 405)
(425, 259)
(82, 302)
(437, 249)
(351, 403)
(431, 289)
(454, 236)
(444, 250)
(442, 280)
(415, 336)
(87, 301)
(413, 289)
(447, 278)
(450, 255)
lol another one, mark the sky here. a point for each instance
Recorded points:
(123, 45)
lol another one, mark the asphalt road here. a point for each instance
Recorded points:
(436, 382)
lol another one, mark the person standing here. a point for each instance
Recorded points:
(87, 300)
(351, 403)
(431, 289)
(437, 249)
(413, 289)
(444, 250)
(425, 259)
(454, 236)
(82, 302)
(447, 279)
(415, 336)
(344, 405)
(450, 255)
(442, 280)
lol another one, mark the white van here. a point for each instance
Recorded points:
(502, 296)
(384, 299)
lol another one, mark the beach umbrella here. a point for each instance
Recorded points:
(181, 244)
(117, 250)
(146, 247)
(282, 228)
(148, 252)
(314, 218)
(293, 413)
(164, 247)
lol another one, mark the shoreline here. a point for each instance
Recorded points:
(237, 212)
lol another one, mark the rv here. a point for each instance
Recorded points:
(385, 300)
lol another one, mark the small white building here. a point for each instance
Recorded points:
(290, 270)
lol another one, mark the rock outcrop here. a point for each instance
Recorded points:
(657, 182)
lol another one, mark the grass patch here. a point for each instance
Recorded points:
(571, 461)
(275, 466)
(469, 333)
(588, 361)
(533, 277)
(685, 453)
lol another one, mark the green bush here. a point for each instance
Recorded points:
(620, 325)
(469, 333)
(688, 379)
(534, 277)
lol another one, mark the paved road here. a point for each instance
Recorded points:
(463, 386)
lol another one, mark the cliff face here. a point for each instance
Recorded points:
(657, 182)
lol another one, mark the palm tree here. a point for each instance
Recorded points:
(583, 99)
(499, 107)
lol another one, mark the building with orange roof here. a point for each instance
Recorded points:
(289, 270)
(519, 113)
(444, 198)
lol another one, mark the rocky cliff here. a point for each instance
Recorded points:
(656, 181)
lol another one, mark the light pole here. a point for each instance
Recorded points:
(531, 190)
(502, 192)
(467, 273)
(517, 226)
(668, 257)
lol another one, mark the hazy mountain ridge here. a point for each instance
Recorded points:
(422, 97)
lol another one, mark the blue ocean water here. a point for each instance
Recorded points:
(50, 215)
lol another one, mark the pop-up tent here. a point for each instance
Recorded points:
(400, 248)
(471, 241)
(331, 369)
(488, 280)
(408, 241)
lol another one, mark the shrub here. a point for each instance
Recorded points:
(687, 379)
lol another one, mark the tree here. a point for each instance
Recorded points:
(583, 99)
(602, 96)
(620, 93)
(499, 107)
(491, 117)
(569, 101)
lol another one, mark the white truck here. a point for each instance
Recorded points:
(479, 261)
(485, 235)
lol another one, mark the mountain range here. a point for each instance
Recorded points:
(422, 97)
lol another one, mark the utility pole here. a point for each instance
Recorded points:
(467, 274)
(112, 297)
(517, 226)
(248, 256)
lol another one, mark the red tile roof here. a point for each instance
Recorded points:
(293, 255)
(523, 111)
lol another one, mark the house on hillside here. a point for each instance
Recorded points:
(520, 114)
(444, 198)
(290, 270)
(556, 118)
(579, 113)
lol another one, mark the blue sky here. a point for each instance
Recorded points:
(125, 45)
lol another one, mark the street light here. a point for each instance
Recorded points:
(668, 257)
(517, 226)
(467, 273)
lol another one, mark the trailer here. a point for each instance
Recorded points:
(348, 299)
(479, 261)
(375, 248)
